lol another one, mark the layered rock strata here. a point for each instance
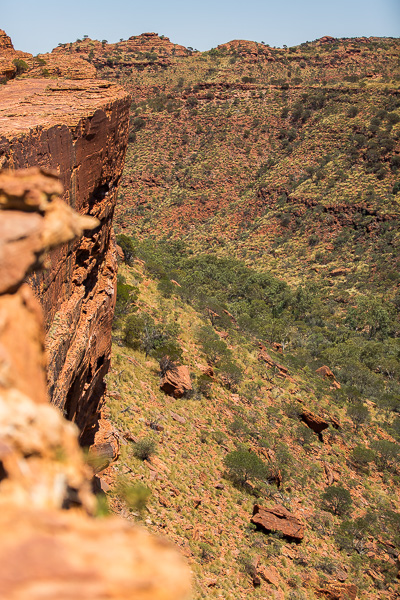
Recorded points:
(47, 551)
(80, 131)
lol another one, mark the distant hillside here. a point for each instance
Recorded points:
(261, 196)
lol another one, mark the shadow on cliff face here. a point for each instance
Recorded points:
(46, 551)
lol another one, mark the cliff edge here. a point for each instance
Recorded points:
(79, 130)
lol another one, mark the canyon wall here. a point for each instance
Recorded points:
(79, 130)
(51, 546)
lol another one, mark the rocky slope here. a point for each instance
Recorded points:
(47, 551)
(79, 131)
(287, 159)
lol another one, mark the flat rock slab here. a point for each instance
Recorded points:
(278, 519)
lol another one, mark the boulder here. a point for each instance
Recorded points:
(314, 422)
(176, 382)
(278, 519)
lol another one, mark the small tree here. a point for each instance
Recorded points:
(386, 454)
(362, 456)
(243, 465)
(20, 65)
(337, 500)
(128, 248)
(231, 374)
(359, 414)
(213, 347)
(351, 535)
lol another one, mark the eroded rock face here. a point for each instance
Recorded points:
(278, 519)
(58, 65)
(79, 130)
(46, 551)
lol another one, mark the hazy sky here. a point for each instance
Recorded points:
(39, 25)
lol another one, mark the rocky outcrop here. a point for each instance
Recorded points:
(80, 131)
(8, 56)
(147, 50)
(176, 382)
(314, 422)
(47, 551)
(278, 519)
(263, 356)
(247, 50)
(14, 62)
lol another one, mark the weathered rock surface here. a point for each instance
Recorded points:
(265, 357)
(80, 130)
(278, 519)
(147, 50)
(42, 65)
(105, 448)
(338, 591)
(58, 65)
(176, 381)
(65, 555)
(47, 552)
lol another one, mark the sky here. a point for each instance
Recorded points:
(39, 25)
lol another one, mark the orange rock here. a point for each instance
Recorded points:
(66, 555)
(278, 519)
(326, 373)
(45, 550)
(176, 381)
(270, 574)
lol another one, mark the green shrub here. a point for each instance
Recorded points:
(144, 448)
(337, 500)
(230, 373)
(136, 496)
(211, 344)
(20, 65)
(351, 534)
(127, 295)
(362, 456)
(359, 414)
(128, 248)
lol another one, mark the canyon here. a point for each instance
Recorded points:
(257, 213)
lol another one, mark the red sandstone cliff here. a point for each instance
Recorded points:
(47, 551)
(79, 130)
